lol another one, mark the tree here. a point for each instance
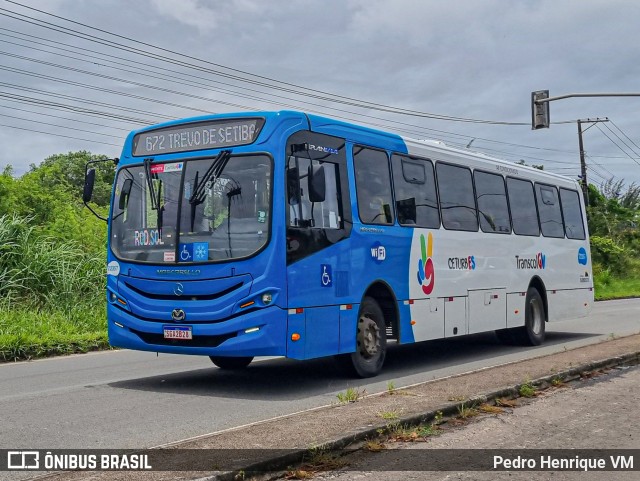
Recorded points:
(522, 162)
(69, 170)
(49, 198)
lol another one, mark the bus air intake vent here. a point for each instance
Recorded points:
(190, 297)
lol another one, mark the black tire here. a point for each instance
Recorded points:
(231, 363)
(371, 342)
(535, 318)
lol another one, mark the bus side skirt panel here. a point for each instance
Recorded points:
(320, 330)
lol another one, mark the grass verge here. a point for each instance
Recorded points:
(607, 288)
(29, 333)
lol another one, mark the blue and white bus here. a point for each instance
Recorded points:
(287, 234)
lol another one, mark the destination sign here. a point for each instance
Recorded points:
(215, 134)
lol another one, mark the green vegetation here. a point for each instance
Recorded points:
(52, 256)
(351, 395)
(389, 415)
(527, 389)
(614, 216)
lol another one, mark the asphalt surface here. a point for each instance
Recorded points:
(77, 398)
(350, 424)
(125, 399)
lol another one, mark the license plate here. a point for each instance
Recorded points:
(178, 332)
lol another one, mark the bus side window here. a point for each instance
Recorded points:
(572, 214)
(457, 200)
(373, 186)
(415, 192)
(549, 210)
(303, 212)
(522, 201)
(491, 195)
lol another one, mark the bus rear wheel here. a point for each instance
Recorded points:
(231, 363)
(533, 331)
(371, 341)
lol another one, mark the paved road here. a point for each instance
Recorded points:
(125, 399)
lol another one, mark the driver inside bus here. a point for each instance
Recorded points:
(373, 208)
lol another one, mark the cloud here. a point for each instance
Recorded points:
(189, 12)
(204, 16)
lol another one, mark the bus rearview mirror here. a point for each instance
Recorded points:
(89, 181)
(124, 193)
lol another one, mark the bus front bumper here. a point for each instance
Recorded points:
(259, 333)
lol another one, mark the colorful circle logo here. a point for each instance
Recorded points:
(426, 271)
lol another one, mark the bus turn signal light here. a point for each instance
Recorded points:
(295, 337)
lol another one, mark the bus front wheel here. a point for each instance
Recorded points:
(231, 363)
(371, 341)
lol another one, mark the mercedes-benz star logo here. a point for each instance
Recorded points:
(179, 289)
(178, 315)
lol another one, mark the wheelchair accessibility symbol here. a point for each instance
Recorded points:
(326, 279)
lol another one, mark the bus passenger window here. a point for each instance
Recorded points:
(492, 203)
(524, 214)
(457, 201)
(572, 214)
(373, 186)
(415, 191)
(549, 209)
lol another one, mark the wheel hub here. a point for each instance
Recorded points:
(536, 316)
(370, 337)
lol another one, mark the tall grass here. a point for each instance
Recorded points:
(51, 294)
(610, 285)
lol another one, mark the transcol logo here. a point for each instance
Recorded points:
(426, 271)
(537, 262)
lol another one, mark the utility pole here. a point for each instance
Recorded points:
(583, 163)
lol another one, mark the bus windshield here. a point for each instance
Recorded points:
(192, 211)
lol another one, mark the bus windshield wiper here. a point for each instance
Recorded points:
(155, 199)
(213, 172)
(200, 188)
(153, 196)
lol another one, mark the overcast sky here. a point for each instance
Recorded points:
(61, 92)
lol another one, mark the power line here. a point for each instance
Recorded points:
(74, 108)
(58, 135)
(618, 146)
(185, 81)
(45, 114)
(627, 137)
(58, 125)
(289, 87)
